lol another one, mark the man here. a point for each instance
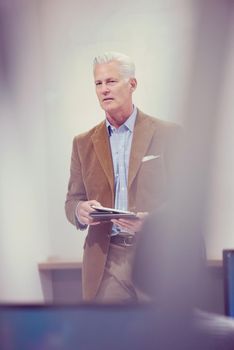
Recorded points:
(124, 163)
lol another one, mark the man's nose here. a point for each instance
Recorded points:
(105, 89)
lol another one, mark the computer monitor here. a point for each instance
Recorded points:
(81, 327)
(110, 327)
(228, 270)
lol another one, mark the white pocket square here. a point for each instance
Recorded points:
(149, 157)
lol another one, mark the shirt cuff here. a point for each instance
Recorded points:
(79, 225)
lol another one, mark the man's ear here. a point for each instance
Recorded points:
(133, 84)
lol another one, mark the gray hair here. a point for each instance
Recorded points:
(127, 66)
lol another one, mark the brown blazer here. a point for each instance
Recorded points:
(92, 177)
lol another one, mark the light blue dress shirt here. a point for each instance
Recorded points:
(120, 142)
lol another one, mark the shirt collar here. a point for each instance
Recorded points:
(129, 124)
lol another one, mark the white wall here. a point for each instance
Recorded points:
(23, 200)
(221, 220)
(48, 97)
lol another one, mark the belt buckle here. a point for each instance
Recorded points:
(129, 241)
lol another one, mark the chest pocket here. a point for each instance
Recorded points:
(151, 179)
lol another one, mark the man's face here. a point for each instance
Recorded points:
(113, 90)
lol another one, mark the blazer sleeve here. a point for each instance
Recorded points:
(76, 189)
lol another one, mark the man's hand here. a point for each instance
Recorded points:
(84, 208)
(132, 225)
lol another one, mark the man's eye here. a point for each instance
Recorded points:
(112, 82)
(98, 83)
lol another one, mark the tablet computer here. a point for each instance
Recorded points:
(106, 214)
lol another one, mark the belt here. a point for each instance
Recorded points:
(126, 241)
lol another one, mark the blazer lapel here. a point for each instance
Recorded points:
(142, 135)
(102, 148)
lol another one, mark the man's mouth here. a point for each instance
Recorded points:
(108, 99)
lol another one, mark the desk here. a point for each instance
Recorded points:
(61, 283)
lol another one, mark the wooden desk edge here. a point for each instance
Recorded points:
(214, 263)
(59, 265)
(75, 264)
